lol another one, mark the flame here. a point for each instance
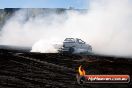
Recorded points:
(81, 71)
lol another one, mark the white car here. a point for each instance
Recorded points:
(75, 45)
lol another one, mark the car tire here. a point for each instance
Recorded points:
(71, 50)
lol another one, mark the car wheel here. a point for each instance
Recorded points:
(71, 50)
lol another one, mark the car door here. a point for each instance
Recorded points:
(81, 43)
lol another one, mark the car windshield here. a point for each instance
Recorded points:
(80, 41)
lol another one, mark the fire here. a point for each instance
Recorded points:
(81, 71)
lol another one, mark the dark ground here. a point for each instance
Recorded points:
(35, 70)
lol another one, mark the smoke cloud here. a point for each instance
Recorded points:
(107, 26)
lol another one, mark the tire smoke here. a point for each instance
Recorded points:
(107, 26)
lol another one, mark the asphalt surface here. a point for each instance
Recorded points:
(35, 70)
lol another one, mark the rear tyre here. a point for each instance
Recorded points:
(71, 50)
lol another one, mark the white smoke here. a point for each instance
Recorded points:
(46, 46)
(107, 26)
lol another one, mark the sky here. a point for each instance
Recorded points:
(77, 4)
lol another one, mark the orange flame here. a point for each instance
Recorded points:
(81, 71)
